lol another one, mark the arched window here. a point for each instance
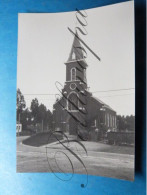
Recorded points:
(73, 74)
(108, 119)
(113, 122)
(73, 102)
(105, 119)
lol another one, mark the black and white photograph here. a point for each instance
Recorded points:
(76, 92)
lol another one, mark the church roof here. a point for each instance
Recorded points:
(76, 52)
(100, 101)
(95, 98)
(104, 105)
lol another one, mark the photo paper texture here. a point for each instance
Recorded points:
(76, 92)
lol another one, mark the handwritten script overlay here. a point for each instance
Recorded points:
(52, 157)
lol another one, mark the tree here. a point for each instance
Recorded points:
(44, 117)
(126, 123)
(49, 119)
(25, 118)
(130, 122)
(21, 104)
(42, 113)
(35, 109)
(121, 122)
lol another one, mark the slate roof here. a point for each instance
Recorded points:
(101, 102)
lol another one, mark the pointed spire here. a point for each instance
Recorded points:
(76, 52)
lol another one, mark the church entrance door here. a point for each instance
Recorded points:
(73, 125)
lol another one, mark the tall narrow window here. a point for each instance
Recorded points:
(73, 102)
(73, 74)
(115, 121)
(105, 119)
(108, 119)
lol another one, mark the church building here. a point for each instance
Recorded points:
(78, 112)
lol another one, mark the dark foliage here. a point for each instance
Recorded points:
(126, 123)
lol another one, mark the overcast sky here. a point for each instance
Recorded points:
(44, 44)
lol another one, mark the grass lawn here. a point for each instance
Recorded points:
(40, 139)
(44, 138)
(102, 147)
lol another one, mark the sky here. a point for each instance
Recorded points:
(44, 44)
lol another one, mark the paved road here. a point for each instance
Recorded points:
(57, 159)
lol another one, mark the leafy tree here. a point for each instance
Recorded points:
(49, 119)
(121, 122)
(130, 122)
(42, 113)
(21, 104)
(126, 123)
(45, 116)
(25, 118)
(35, 109)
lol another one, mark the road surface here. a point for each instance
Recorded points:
(56, 158)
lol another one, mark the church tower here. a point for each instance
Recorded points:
(77, 112)
(76, 65)
(75, 87)
(76, 82)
